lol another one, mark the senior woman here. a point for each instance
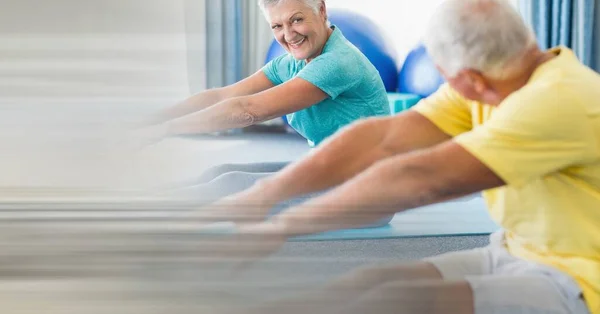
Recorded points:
(322, 84)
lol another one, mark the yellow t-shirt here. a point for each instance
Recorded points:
(544, 141)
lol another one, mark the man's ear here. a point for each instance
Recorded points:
(442, 73)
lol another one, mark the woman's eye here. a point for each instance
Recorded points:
(298, 20)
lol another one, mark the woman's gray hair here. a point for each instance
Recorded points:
(313, 4)
(483, 35)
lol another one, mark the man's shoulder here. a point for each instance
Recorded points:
(563, 78)
(544, 104)
(555, 89)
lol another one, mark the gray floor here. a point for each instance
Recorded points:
(320, 261)
(156, 281)
(301, 264)
(312, 262)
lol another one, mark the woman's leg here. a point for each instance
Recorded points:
(216, 171)
(223, 185)
(224, 176)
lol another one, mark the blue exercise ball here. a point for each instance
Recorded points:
(418, 74)
(367, 37)
(275, 50)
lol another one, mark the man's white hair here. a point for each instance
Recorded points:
(483, 35)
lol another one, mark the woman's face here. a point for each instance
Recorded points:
(298, 29)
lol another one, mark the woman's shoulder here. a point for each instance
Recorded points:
(284, 62)
(343, 53)
(285, 58)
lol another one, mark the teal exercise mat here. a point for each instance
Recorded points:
(455, 218)
(400, 102)
(466, 216)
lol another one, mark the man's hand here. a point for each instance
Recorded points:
(243, 207)
(249, 206)
(262, 239)
(247, 245)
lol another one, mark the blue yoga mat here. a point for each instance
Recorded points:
(466, 216)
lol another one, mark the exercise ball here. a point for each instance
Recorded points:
(367, 37)
(418, 74)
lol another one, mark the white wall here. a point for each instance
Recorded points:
(402, 21)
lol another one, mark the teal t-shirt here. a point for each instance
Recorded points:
(344, 73)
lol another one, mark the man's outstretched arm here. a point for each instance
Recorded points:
(399, 183)
(348, 153)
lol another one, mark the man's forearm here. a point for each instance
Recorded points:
(411, 180)
(336, 161)
(385, 189)
(350, 152)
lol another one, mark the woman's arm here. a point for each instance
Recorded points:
(255, 83)
(243, 111)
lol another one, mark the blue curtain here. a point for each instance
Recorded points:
(562, 22)
(224, 42)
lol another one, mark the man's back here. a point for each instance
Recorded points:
(544, 141)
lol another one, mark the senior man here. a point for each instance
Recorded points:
(520, 124)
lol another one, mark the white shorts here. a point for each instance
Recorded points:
(502, 283)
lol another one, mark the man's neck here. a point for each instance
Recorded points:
(531, 61)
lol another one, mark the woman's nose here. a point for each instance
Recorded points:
(289, 34)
